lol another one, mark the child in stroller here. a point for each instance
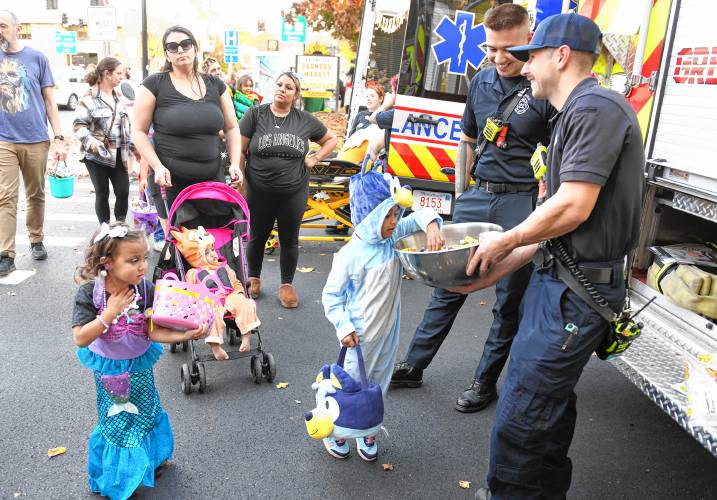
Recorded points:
(224, 213)
(197, 247)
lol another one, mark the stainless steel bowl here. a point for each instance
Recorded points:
(441, 268)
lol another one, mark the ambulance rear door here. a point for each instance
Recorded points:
(443, 49)
(682, 143)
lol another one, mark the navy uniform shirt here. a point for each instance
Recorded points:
(489, 94)
(596, 138)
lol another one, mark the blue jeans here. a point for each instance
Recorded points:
(536, 412)
(507, 210)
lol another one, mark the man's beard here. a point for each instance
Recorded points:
(4, 44)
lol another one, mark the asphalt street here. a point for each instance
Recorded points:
(242, 440)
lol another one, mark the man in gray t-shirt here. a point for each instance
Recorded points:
(26, 104)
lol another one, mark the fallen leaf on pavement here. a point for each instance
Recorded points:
(18, 493)
(322, 254)
(482, 302)
(297, 401)
(305, 269)
(53, 452)
(282, 385)
(464, 484)
(388, 467)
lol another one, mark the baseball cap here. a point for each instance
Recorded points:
(576, 31)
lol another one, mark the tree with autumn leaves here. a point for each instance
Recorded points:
(342, 18)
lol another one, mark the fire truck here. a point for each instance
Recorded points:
(662, 56)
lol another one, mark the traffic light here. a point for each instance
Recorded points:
(64, 19)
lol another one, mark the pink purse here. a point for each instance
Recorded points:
(184, 306)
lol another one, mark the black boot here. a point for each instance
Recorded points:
(405, 375)
(479, 395)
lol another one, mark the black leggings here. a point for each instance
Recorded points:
(101, 175)
(287, 209)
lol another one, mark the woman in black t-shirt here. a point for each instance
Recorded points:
(187, 110)
(274, 142)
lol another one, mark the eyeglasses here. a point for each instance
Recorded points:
(173, 47)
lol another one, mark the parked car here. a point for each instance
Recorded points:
(70, 85)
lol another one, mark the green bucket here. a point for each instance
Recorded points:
(62, 187)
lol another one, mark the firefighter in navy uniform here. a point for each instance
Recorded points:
(500, 104)
(585, 228)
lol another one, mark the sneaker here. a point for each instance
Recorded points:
(38, 251)
(337, 449)
(7, 265)
(367, 450)
(406, 375)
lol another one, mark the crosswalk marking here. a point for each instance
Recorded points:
(55, 241)
(65, 217)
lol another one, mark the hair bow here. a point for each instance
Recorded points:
(115, 232)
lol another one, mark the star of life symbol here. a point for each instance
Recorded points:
(461, 44)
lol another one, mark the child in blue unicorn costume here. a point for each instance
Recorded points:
(361, 297)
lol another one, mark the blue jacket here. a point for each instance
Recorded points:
(362, 291)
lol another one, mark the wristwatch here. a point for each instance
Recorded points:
(61, 137)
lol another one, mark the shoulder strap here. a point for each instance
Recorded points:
(505, 115)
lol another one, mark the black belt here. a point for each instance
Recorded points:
(597, 273)
(500, 187)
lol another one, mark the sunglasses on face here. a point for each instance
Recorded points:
(173, 47)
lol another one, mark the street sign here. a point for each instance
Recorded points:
(231, 59)
(231, 51)
(294, 32)
(66, 42)
(231, 39)
(102, 23)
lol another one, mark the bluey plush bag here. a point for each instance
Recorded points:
(345, 408)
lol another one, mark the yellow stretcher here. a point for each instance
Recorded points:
(328, 201)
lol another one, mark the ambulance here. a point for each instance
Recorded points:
(662, 56)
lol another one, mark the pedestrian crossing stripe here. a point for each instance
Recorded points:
(16, 277)
(55, 241)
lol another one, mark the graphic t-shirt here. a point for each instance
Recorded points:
(186, 131)
(22, 109)
(278, 147)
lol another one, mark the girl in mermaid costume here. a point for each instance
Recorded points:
(110, 325)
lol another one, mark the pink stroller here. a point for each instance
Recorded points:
(224, 213)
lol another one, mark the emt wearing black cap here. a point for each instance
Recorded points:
(594, 180)
(505, 194)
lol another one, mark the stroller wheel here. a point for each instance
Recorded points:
(185, 346)
(256, 370)
(173, 347)
(232, 334)
(202, 377)
(269, 367)
(185, 379)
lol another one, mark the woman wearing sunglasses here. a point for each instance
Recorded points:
(274, 145)
(188, 109)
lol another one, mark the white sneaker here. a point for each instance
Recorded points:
(367, 451)
(337, 449)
